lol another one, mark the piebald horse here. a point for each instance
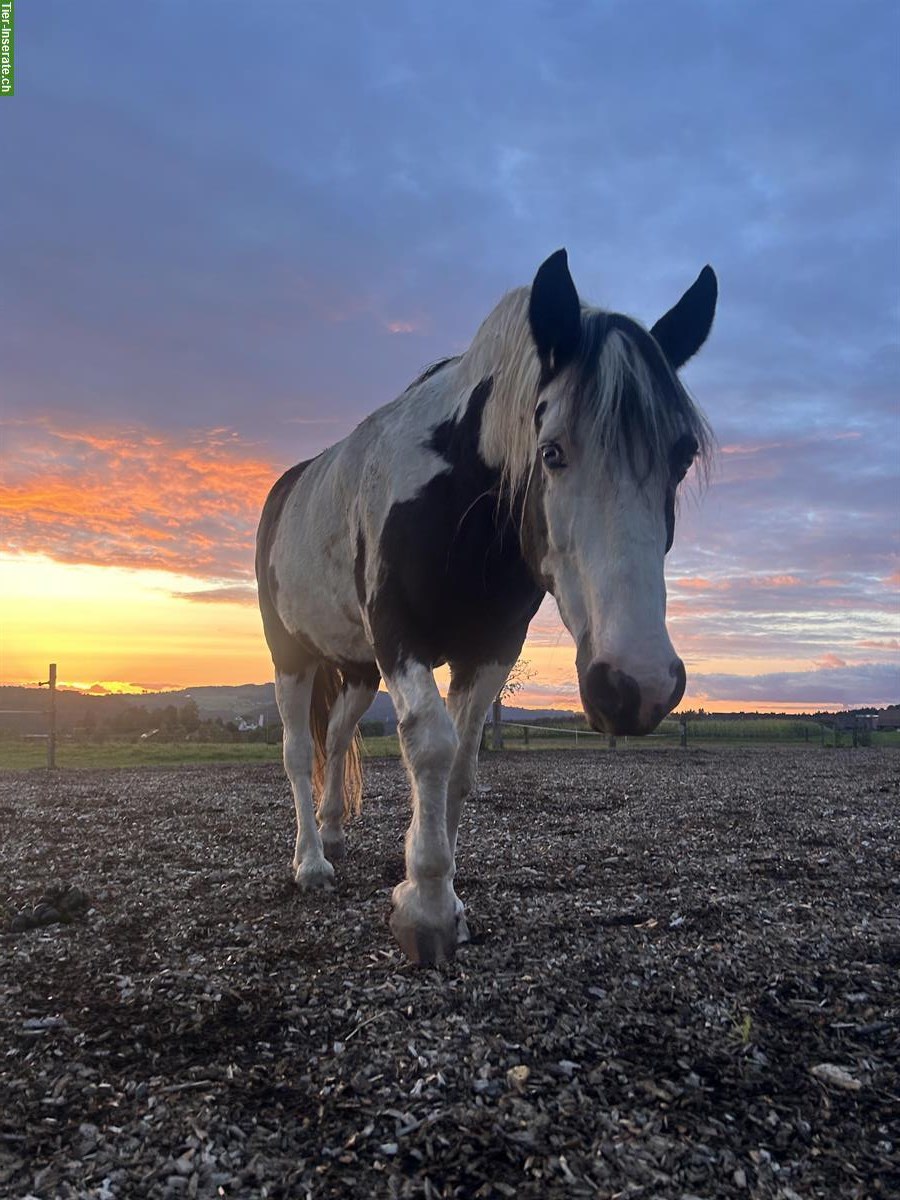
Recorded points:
(545, 458)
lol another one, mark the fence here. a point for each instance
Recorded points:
(847, 729)
(49, 712)
(849, 732)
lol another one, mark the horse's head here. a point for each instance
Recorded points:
(614, 434)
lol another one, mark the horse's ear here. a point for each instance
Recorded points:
(684, 328)
(554, 312)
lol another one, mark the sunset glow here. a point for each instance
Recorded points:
(202, 289)
(126, 557)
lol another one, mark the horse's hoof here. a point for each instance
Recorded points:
(335, 848)
(462, 927)
(423, 945)
(317, 877)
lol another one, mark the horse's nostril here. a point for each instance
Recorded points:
(614, 696)
(680, 675)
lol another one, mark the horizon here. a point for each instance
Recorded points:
(99, 692)
(237, 277)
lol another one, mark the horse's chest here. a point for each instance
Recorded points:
(452, 581)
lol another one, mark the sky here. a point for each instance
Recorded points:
(230, 231)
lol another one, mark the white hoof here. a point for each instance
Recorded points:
(317, 876)
(427, 927)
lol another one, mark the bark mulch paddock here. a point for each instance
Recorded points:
(685, 982)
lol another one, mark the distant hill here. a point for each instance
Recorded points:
(23, 709)
(247, 700)
(251, 699)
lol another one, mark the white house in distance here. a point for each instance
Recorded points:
(246, 725)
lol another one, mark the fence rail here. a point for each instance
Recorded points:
(48, 711)
(703, 729)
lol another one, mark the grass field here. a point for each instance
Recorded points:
(22, 754)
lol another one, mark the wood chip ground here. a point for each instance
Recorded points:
(684, 982)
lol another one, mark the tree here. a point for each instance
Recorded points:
(517, 678)
(189, 717)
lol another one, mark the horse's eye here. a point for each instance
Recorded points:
(682, 458)
(551, 453)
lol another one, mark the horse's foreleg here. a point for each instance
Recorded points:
(424, 920)
(350, 705)
(294, 695)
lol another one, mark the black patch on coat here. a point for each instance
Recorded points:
(359, 674)
(432, 370)
(670, 518)
(457, 441)
(453, 584)
(359, 568)
(291, 653)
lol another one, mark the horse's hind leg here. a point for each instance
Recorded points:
(471, 691)
(355, 697)
(294, 696)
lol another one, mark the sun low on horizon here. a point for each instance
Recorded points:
(203, 285)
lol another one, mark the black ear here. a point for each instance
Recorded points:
(555, 313)
(684, 328)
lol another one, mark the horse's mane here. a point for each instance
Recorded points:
(625, 400)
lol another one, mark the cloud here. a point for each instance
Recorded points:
(402, 326)
(231, 594)
(861, 685)
(134, 498)
(831, 660)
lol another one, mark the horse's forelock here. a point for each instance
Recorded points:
(626, 402)
(623, 398)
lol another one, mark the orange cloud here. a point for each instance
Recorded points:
(125, 498)
(699, 584)
(831, 660)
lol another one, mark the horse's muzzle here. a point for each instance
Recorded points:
(615, 703)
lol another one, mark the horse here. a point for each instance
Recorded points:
(546, 458)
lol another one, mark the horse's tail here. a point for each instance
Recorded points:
(326, 689)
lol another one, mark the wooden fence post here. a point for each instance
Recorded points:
(496, 721)
(51, 731)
